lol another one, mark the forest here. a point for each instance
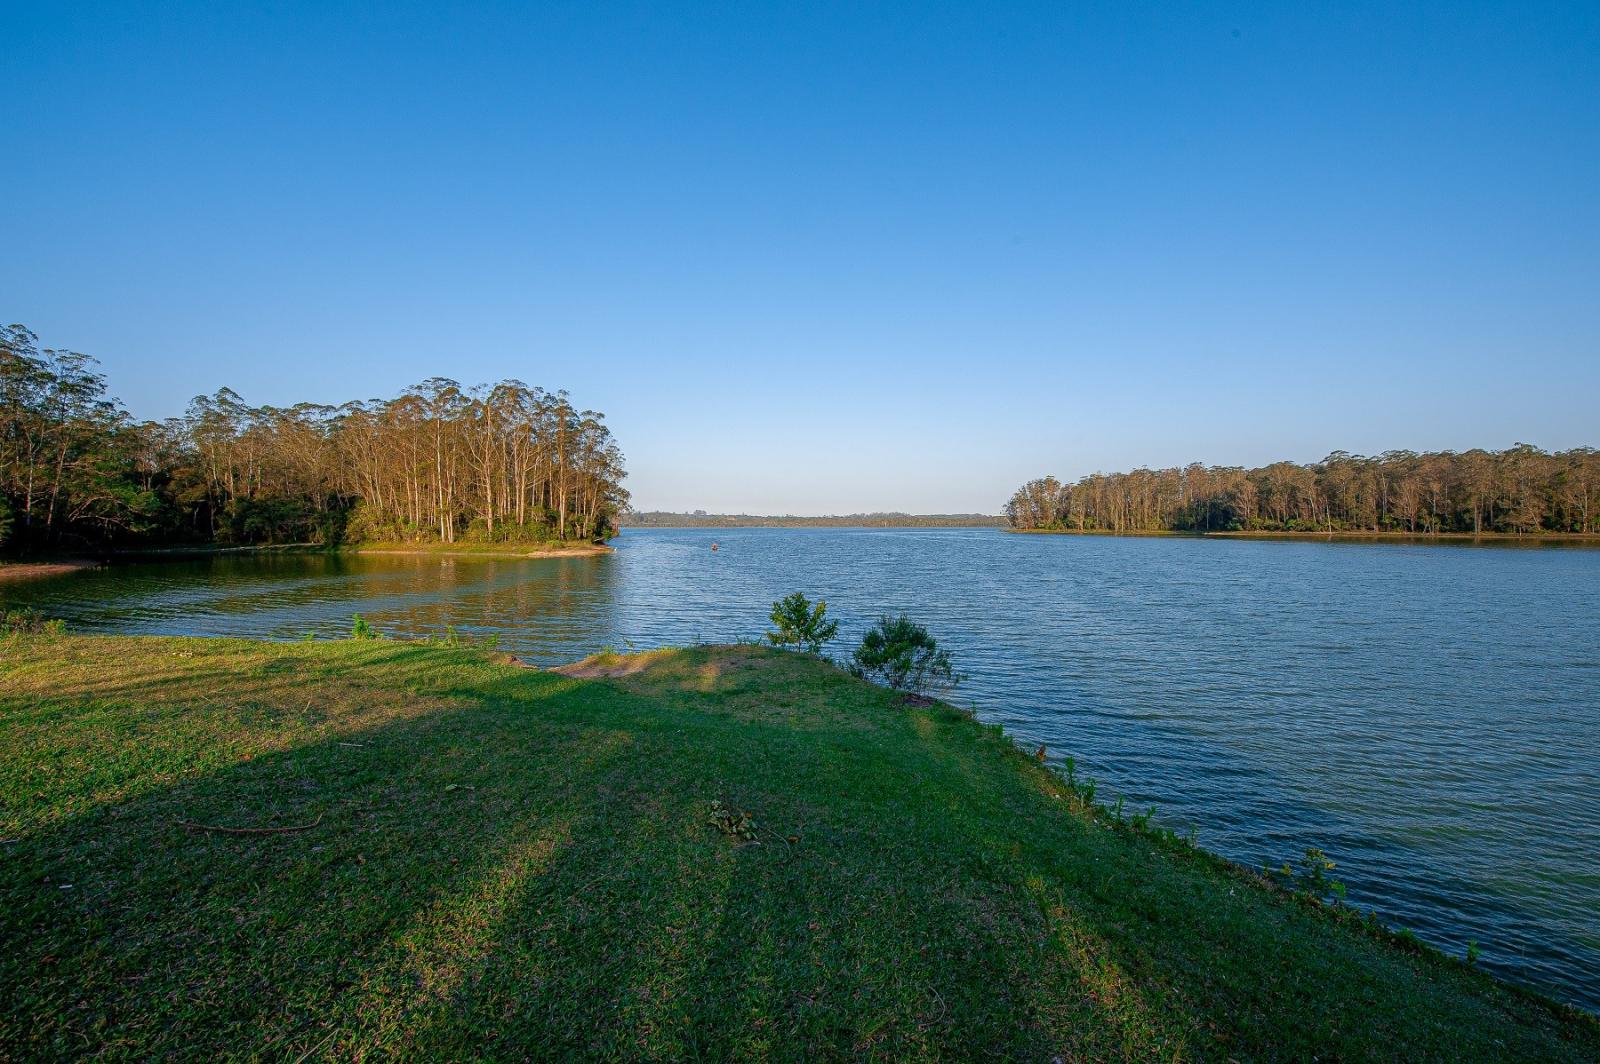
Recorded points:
(501, 463)
(1518, 490)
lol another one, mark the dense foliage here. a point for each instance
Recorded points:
(501, 463)
(1521, 489)
(900, 654)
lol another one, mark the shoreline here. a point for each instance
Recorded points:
(1558, 538)
(20, 571)
(487, 550)
(587, 550)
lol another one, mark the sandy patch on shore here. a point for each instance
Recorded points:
(606, 666)
(561, 552)
(35, 570)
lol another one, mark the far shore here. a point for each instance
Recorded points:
(1409, 537)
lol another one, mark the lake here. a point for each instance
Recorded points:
(1429, 715)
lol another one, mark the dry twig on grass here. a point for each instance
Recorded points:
(223, 830)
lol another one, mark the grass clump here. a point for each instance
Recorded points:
(360, 849)
(29, 621)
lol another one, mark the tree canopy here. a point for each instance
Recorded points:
(1522, 489)
(497, 463)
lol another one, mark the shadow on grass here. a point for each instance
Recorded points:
(518, 865)
(127, 932)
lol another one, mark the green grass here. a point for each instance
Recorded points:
(513, 864)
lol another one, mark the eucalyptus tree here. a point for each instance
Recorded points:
(499, 462)
(1520, 489)
(66, 449)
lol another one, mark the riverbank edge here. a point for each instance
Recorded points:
(1080, 792)
(19, 571)
(584, 550)
(1568, 538)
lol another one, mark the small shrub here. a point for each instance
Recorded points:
(801, 624)
(30, 621)
(360, 629)
(900, 654)
(1311, 878)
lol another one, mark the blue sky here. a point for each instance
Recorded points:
(824, 258)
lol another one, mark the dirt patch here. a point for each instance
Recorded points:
(703, 666)
(606, 666)
(35, 570)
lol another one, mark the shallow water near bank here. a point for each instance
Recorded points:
(1429, 715)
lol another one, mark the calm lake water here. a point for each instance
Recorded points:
(1429, 715)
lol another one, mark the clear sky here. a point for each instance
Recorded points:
(826, 258)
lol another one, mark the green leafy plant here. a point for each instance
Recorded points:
(454, 639)
(1474, 954)
(30, 621)
(361, 629)
(1081, 789)
(736, 824)
(1311, 878)
(801, 624)
(900, 654)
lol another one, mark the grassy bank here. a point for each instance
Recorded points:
(472, 859)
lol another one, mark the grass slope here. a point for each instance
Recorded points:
(514, 864)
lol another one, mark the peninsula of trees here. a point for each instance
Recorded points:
(701, 519)
(502, 463)
(1519, 490)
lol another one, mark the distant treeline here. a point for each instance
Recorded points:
(701, 519)
(500, 463)
(1519, 490)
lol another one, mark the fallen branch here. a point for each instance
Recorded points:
(223, 830)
